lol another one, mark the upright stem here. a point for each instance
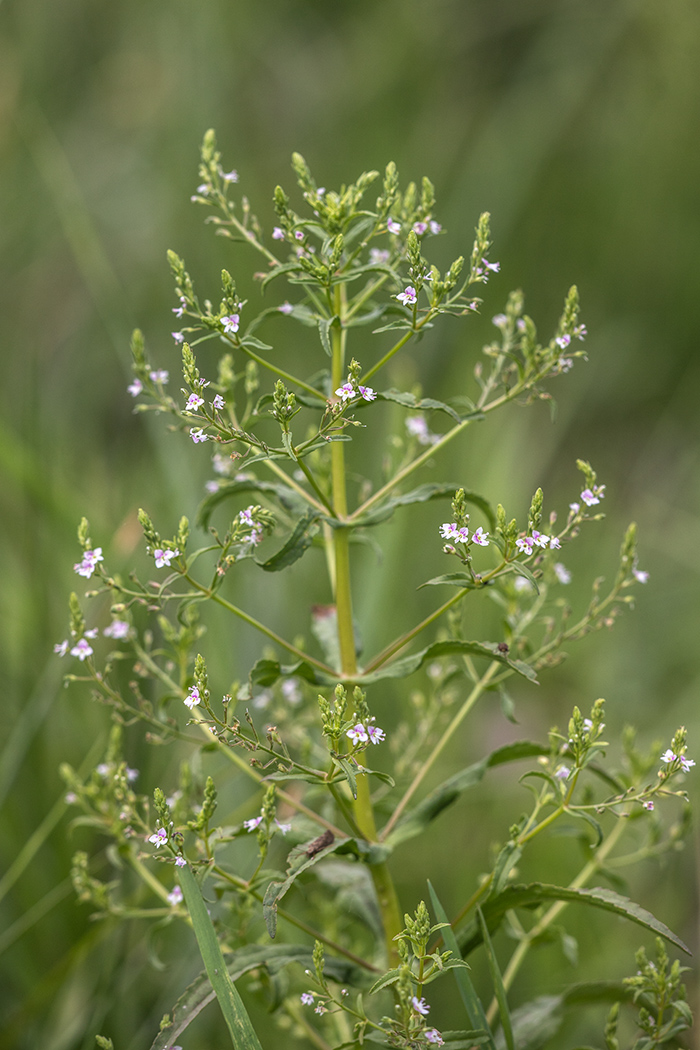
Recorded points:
(364, 815)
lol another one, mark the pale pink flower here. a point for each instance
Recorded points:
(407, 296)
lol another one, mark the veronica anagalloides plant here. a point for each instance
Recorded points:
(339, 793)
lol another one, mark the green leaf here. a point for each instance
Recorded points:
(369, 317)
(535, 1023)
(288, 445)
(324, 325)
(301, 538)
(393, 325)
(505, 862)
(303, 314)
(498, 987)
(421, 495)
(519, 569)
(416, 820)
(408, 400)
(350, 772)
(534, 894)
(453, 579)
(388, 978)
(409, 664)
(385, 778)
(254, 344)
(266, 672)
(239, 1025)
(467, 992)
(277, 272)
(274, 957)
(287, 497)
(582, 815)
(298, 861)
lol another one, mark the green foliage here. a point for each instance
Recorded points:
(344, 816)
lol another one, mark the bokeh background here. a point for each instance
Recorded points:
(575, 123)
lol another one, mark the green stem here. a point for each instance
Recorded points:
(324, 505)
(278, 371)
(147, 876)
(466, 707)
(237, 760)
(364, 296)
(282, 474)
(247, 234)
(390, 353)
(364, 814)
(399, 643)
(425, 456)
(244, 886)
(260, 627)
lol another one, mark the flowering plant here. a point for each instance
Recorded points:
(357, 962)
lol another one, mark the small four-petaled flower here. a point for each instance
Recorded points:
(82, 650)
(87, 566)
(407, 296)
(231, 323)
(163, 557)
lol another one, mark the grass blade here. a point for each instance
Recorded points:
(239, 1024)
(472, 1003)
(498, 985)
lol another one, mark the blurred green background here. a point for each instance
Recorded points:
(575, 123)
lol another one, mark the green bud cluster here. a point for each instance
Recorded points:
(284, 403)
(190, 371)
(201, 679)
(151, 536)
(534, 516)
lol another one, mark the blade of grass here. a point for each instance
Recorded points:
(239, 1024)
(498, 986)
(472, 1003)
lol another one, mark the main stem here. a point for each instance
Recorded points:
(364, 814)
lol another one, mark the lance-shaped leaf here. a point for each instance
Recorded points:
(254, 344)
(536, 893)
(324, 326)
(300, 540)
(416, 820)
(454, 579)
(298, 861)
(402, 397)
(277, 272)
(537, 1022)
(288, 498)
(274, 957)
(421, 495)
(467, 992)
(267, 672)
(239, 1024)
(409, 664)
(395, 325)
